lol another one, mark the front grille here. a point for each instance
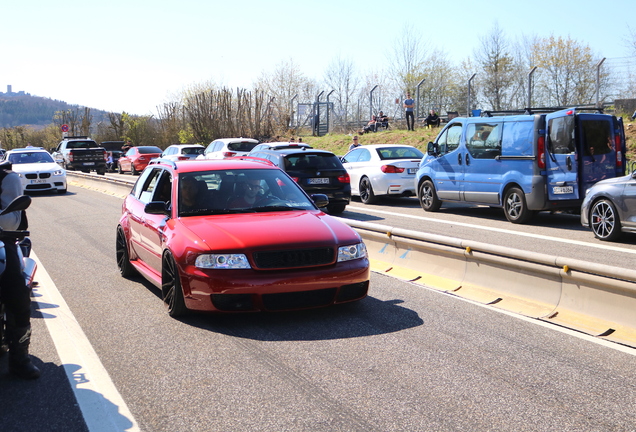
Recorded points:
(299, 300)
(34, 176)
(294, 258)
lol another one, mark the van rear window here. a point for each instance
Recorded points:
(596, 137)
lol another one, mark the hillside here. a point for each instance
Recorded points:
(27, 110)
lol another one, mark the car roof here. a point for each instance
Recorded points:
(301, 150)
(374, 146)
(24, 150)
(233, 140)
(214, 165)
(185, 145)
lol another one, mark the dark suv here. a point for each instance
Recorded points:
(316, 171)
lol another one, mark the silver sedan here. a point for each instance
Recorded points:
(609, 207)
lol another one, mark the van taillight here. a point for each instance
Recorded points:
(391, 169)
(541, 152)
(619, 150)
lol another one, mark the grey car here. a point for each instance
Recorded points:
(609, 207)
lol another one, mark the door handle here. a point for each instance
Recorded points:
(467, 159)
(459, 158)
(568, 161)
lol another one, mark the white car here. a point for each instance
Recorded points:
(228, 147)
(179, 152)
(382, 169)
(282, 145)
(37, 170)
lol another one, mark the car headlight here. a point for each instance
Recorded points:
(351, 252)
(58, 172)
(222, 261)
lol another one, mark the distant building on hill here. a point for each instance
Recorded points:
(11, 93)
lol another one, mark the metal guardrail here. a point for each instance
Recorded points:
(596, 299)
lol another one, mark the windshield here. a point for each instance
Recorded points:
(239, 191)
(30, 157)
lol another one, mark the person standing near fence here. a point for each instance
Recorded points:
(409, 103)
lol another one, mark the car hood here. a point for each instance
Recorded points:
(35, 167)
(614, 180)
(267, 231)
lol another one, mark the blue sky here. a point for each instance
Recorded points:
(133, 55)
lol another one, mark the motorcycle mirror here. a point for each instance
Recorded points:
(19, 203)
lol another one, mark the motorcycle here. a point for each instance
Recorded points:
(20, 237)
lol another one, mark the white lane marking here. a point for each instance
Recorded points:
(102, 406)
(501, 230)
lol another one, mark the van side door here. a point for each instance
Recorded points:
(482, 167)
(447, 170)
(562, 156)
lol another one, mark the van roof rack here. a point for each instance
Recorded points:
(544, 110)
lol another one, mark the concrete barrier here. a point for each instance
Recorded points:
(595, 299)
(104, 184)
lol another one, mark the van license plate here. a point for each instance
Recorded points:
(559, 190)
(322, 180)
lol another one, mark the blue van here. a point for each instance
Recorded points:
(522, 163)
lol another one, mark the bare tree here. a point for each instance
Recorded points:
(497, 68)
(407, 59)
(341, 76)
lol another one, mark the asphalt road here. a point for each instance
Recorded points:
(404, 359)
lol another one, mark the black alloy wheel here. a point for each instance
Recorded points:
(123, 259)
(366, 191)
(171, 287)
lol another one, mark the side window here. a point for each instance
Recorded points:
(210, 147)
(483, 140)
(163, 190)
(596, 137)
(149, 186)
(518, 137)
(561, 135)
(353, 156)
(137, 188)
(449, 138)
(365, 155)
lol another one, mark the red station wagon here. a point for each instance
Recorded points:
(237, 236)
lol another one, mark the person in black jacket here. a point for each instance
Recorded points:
(432, 120)
(15, 294)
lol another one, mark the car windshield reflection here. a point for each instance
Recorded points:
(239, 191)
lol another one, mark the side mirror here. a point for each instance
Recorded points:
(432, 149)
(634, 175)
(321, 200)
(157, 207)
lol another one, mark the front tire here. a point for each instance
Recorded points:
(126, 269)
(119, 170)
(171, 287)
(133, 171)
(515, 206)
(336, 208)
(366, 191)
(428, 197)
(604, 221)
